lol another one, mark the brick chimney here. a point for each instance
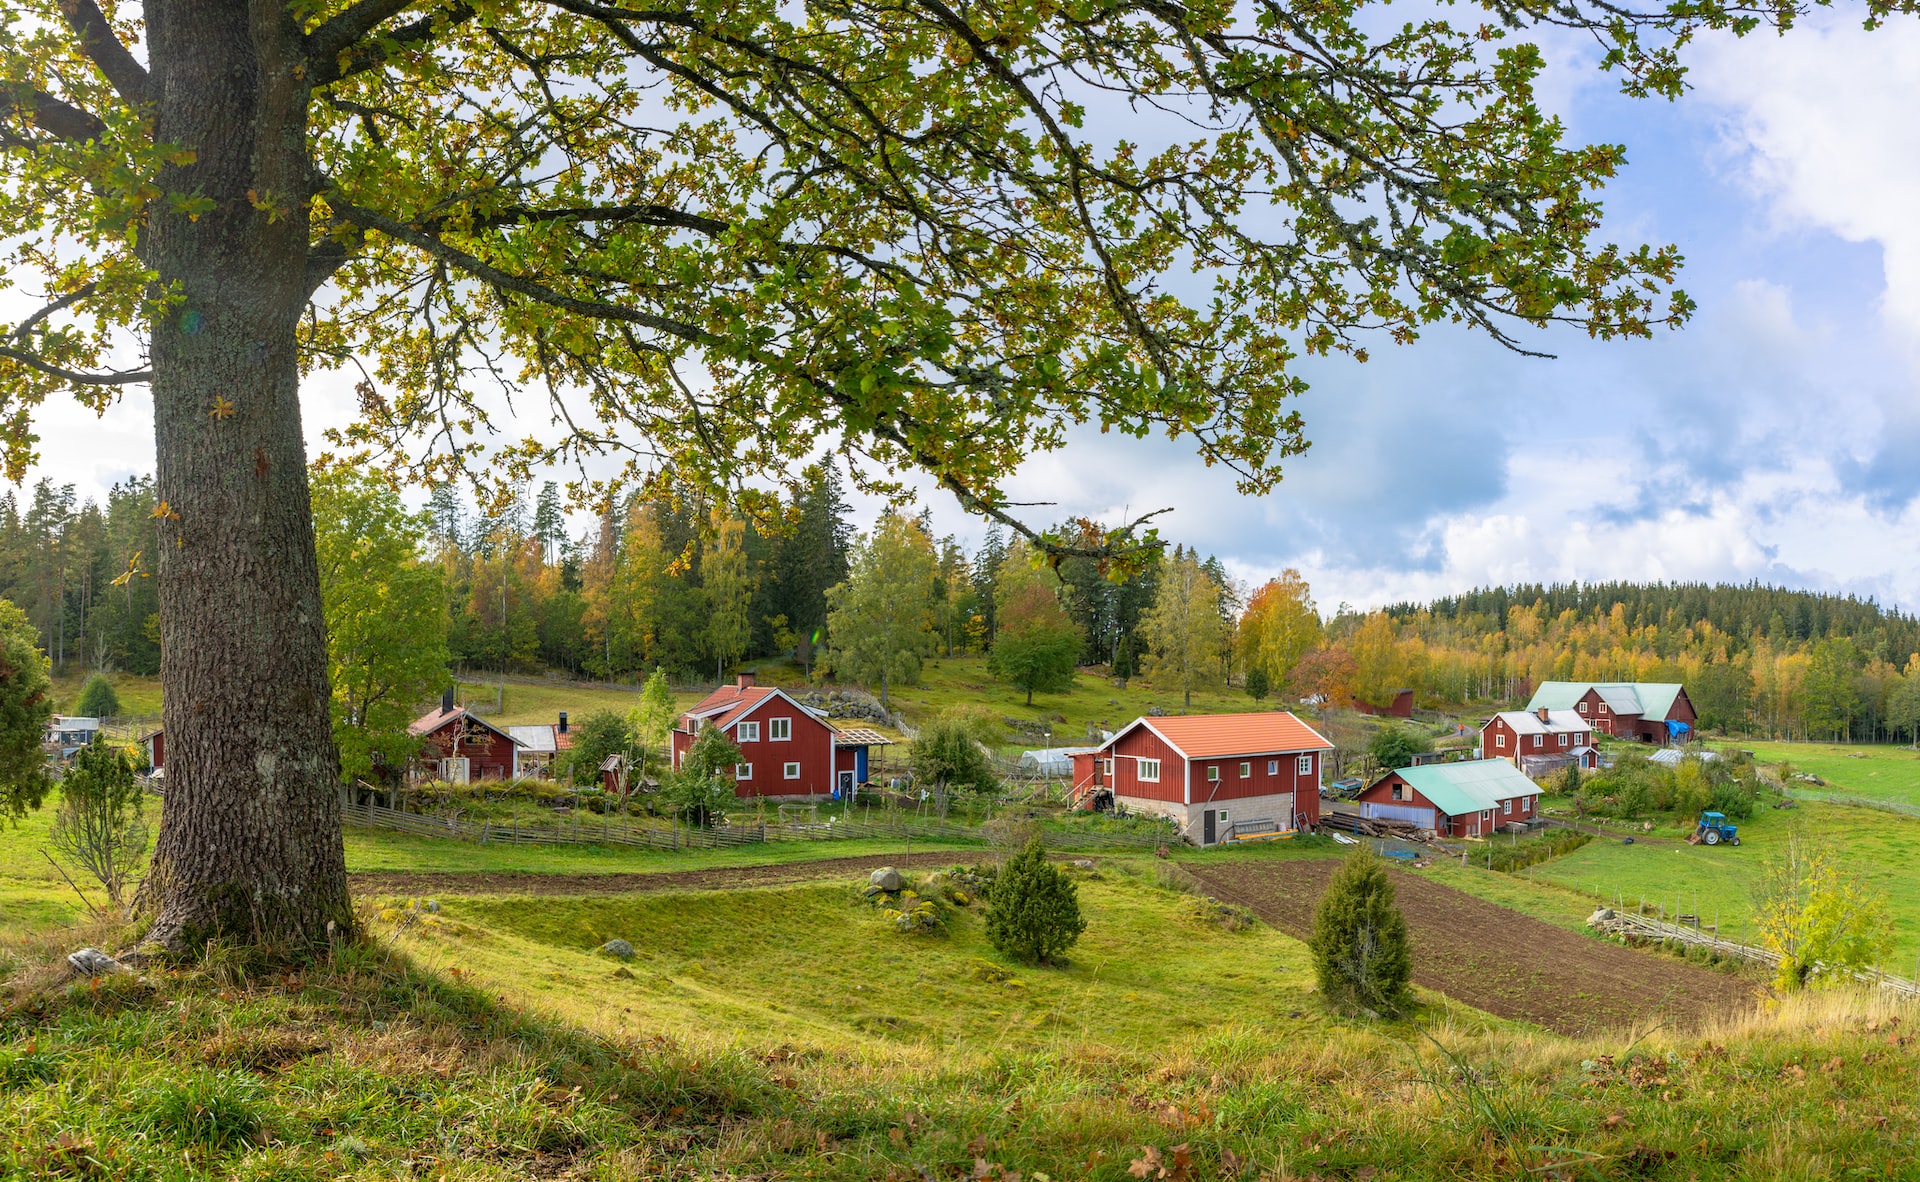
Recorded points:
(743, 681)
(1542, 712)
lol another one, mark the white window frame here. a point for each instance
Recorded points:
(1213, 773)
(1563, 738)
(1583, 707)
(1149, 770)
(1220, 821)
(1499, 741)
(1506, 806)
(1246, 770)
(1539, 741)
(790, 771)
(1304, 765)
(1273, 767)
(1603, 708)
(747, 732)
(779, 730)
(1107, 767)
(742, 771)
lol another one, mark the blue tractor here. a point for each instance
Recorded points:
(1713, 829)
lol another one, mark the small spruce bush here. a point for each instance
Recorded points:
(1359, 941)
(1033, 910)
(97, 699)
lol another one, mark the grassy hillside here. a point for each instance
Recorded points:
(1876, 772)
(788, 1033)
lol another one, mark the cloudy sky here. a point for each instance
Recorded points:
(1777, 437)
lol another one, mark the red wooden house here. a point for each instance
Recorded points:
(459, 747)
(1471, 799)
(787, 752)
(1214, 775)
(1539, 742)
(1646, 711)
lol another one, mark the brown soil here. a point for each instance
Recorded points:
(716, 879)
(1498, 960)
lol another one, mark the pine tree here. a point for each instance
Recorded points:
(1033, 910)
(1359, 942)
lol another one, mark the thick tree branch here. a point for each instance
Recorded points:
(20, 334)
(358, 53)
(127, 378)
(97, 38)
(343, 30)
(505, 281)
(49, 114)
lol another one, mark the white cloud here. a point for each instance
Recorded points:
(1819, 122)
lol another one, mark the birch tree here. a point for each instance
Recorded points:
(880, 621)
(1183, 629)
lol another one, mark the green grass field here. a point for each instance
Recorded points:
(138, 695)
(1720, 881)
(1876, 772)
(817, 964)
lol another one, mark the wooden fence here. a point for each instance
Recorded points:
(582, 829)
(1627, 925)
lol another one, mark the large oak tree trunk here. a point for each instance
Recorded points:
(249, 844)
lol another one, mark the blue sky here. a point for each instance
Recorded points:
(1775, 437)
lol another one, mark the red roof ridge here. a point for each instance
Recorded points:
(1204, 736)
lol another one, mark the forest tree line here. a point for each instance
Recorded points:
(663, 583)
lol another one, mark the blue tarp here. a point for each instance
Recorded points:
(1676, 728)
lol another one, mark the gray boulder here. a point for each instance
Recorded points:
(619, 948)
(886, 878)
(91, 962)
(1083, 863)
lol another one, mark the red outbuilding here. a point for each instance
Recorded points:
(1471, 799)
(1217, 776)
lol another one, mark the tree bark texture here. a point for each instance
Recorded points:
(250, 844)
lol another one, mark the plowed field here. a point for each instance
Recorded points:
(1498, 960)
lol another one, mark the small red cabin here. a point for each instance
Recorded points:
(459, 746)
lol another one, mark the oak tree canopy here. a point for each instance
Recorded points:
(714, 237)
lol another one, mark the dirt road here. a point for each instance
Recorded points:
(1498, 960)
(399, 882)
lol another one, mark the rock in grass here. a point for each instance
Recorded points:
(619, 948)
(91, 962)
(886, 878)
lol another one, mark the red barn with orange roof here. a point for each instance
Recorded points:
(1212, 774)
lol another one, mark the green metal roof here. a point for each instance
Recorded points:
(1649, 699)
(1459, 788)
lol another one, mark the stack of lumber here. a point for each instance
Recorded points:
(1366, 827)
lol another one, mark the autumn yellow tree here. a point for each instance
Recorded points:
(1183, 629)
(1280, 626)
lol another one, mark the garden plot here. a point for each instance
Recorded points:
(1498, 960)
